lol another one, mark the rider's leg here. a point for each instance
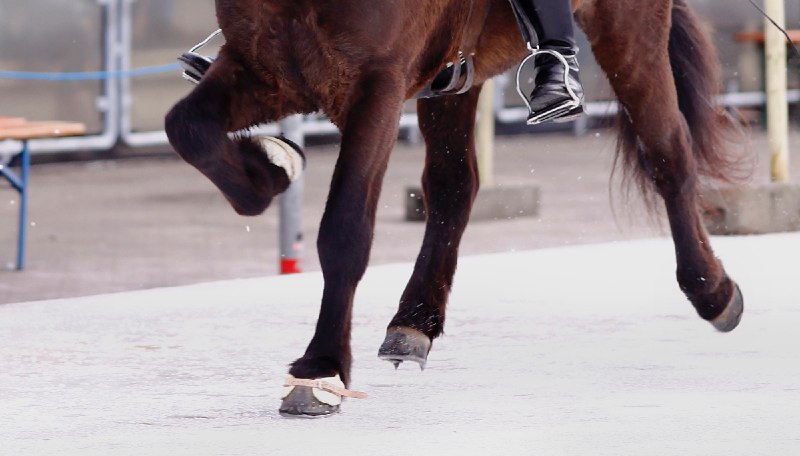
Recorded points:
(553, 24)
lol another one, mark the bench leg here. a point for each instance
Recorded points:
(25, 164)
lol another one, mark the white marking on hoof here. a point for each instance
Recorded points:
(282, 154)
(327, 390)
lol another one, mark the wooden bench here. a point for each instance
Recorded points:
(20, 129)
(758, 37)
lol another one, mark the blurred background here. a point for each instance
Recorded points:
(86, 35)
(116, 210)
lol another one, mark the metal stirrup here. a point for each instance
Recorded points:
(205, 41)
(534, 51)
(191, 71)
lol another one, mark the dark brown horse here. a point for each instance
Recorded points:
(358, 62)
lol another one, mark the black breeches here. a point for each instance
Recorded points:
(550, 19)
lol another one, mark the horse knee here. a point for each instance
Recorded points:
(172, 124)
(179, 124)
(187, 131)
(240, 169)
(177, 121)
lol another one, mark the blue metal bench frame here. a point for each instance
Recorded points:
(20, 184)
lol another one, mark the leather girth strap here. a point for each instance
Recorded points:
(459, 76)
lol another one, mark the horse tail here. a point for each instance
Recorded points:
(697, 76)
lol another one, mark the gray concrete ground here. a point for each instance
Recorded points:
(573, 351)
(141, 223)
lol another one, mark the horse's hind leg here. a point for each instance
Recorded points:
(228, 99)
(660, 147)
(450, 183)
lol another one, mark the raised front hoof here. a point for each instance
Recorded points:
(729, 319)
(405, 344)
(248, 207)
(285, 154)
(271, 165)
(302, 403)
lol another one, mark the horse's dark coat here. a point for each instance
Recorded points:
(358, 61)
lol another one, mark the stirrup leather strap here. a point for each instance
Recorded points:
(526, 28)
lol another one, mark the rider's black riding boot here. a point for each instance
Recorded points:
(551, 98)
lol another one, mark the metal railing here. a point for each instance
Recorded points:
(107, 105)
(128, 94)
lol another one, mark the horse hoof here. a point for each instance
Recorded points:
(302, 403)
(285, 154)
(405, 344)
(729, 319)
(311, 398)
(318, 398)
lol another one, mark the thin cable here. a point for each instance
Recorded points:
(764, 13)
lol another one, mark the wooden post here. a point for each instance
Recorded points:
(776, 81)
(485, 134)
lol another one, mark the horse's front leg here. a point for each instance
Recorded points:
(230, 98)
(450, 184)
(369, 131)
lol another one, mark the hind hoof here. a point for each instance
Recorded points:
(729, 319)
(405, 344)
